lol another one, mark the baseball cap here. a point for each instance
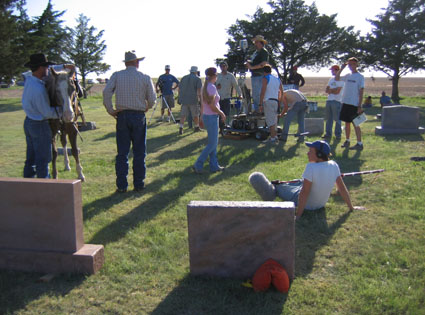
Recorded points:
(167, 67)
(334, 67)
(321, 146)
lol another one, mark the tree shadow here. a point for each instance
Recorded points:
(205, 295)
(106, 136)
(18, 289)
(10, 106)
(161, 200)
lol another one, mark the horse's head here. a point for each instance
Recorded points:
(61, 89)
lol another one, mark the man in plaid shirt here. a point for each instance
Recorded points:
(134, 95)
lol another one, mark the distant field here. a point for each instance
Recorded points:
(315, 86)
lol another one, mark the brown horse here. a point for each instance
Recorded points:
(63, 93)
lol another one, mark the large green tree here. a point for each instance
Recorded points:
(396, 44)
(48, 35)
(14, 25)
(85, 48)
(297, 35)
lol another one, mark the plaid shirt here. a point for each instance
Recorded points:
(133, 90)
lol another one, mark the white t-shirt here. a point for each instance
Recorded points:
(353, 83)
(323, 176)
(333, 84)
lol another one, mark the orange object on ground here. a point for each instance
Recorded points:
(271, 272)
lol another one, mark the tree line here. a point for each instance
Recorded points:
(297, 34)
(21, 36)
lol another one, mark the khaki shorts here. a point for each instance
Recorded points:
(169, 99)
(194, 110)
(270, 111)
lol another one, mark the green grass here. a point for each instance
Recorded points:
(368, 262)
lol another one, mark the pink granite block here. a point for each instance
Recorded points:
(41, 214)
(233, 238)
(88, 260)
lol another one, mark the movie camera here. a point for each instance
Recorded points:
(240, 56)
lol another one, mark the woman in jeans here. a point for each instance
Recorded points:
(210, 110)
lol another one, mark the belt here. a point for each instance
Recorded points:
(133, 111)
(273, 99)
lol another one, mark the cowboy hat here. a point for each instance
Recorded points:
(131, 55)
(37, 60)
(259, 38)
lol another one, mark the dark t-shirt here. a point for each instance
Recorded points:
(258, 57)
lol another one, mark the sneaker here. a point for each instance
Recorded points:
(271, 140)
(180, 130)
(120, 191)
(196, 170)
(346, 144)
(220, 169)
(168, 119)
(357, 146)
(197, 129)
(326, 137)
(139, 189)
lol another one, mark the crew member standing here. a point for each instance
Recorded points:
(225, 82)
(166, 84)
(352, 97)
(134, 95)
(271, 92)
(259, 59)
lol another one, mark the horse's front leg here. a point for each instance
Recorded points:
(65, 149)
(72, 134)
(54, 157)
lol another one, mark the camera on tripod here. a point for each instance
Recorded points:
(160, 85)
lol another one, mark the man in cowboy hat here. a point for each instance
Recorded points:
(190, 97)
(36, 105)
(258, 60)
(134, 95)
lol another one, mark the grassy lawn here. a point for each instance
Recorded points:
(366, 262)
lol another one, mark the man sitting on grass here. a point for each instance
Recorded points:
(313, 191)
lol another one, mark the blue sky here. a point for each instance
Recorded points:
(185, 33)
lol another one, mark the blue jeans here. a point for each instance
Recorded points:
(38, 136)
(298, 109)
(256, 83)
(131, 129)
(211, 124)
(333, 108)
(289, 191)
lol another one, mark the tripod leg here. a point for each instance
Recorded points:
(153, 111)
(169, 109)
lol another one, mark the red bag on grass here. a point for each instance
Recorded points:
(271, 272)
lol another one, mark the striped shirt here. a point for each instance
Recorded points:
(133, 90)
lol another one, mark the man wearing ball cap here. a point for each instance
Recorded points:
(313, 190)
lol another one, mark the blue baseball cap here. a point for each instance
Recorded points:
(321, 146)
